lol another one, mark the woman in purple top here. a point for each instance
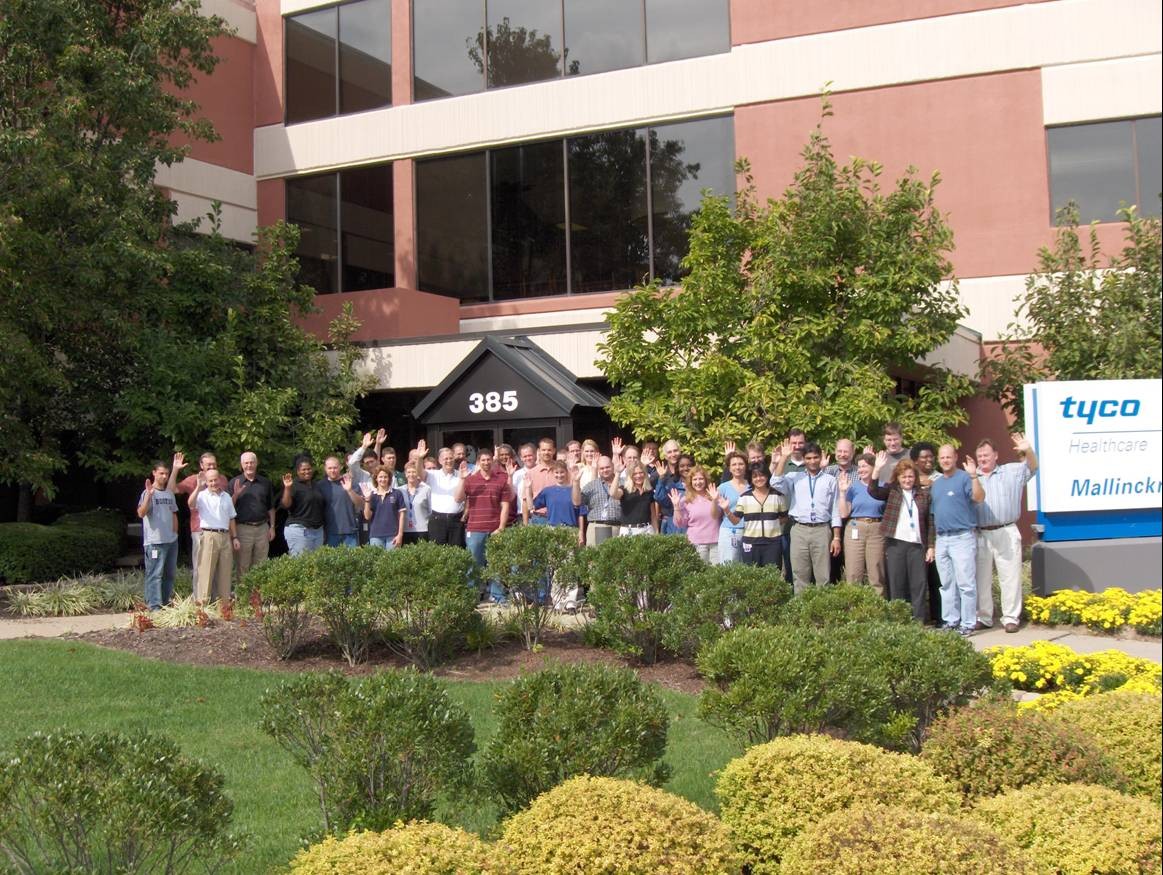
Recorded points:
(385, 510)
(697, 510)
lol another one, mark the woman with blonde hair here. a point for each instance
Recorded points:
(588, 469)
(697, 510)
(639, 509)
(907, 527)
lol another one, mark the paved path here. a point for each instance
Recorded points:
(55, 627)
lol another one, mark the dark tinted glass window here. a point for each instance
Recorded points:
(609, 246)
(684, 159)
(452, 227)
(310, 47)
(367, 229)
(365, 55)
(524, 41)
(311, 204)
(686, 29)
(1092, 165)
(603, 35)
(447, 53)
(527, 197)
(1150, 158)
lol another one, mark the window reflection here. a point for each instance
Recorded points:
(686, 29)
(444, 33)
(365, 55)
(603, 35)
(311, 204)
(452, 227)
(527, 198)
(1093, 166)
(1148, 134)
(523, 42)
(609, 243)
(310, 48)
(367, 228)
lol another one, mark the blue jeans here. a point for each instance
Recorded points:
(382, 543)
(669, 528)
(475, 543)
(301, 539)
(730, 546)
(334, 539)
(956, 557)
(159, 574)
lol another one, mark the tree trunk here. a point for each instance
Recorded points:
(24, 503)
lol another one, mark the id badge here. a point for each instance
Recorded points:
(154, 553)
(747, 548)
(736, 540)
(855, 533)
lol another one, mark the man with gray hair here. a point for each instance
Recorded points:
(254, 502)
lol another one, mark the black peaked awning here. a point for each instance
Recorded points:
(506, 378)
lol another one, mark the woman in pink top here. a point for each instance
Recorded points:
(698, 510)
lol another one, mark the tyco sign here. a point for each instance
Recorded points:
(1099, 444)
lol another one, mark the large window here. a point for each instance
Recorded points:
(460, 45)
(593, 213)
(1099, 166)
(346, 228)
(339, 60)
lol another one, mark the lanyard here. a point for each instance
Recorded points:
(910, 506)
(812, 497)
(411, 520)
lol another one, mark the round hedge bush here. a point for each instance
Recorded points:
(776, 790)
(890, 840)
(608, 826)
(992, 747)
(414, 848)
(1128, 727)
(1079, 829)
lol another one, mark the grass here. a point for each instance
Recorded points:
(212, 713)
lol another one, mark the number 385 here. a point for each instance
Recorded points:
(492, 402)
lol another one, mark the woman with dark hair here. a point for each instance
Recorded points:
(305, 502)
(907, 527)
(863, 541)
(758, 510)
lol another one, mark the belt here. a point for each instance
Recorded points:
(947, 532)
(256, 523)
(442, 514)
(220, 531)
(812, 525)
(993, 528)
(636, 526)
(605, 523)
(866, 519)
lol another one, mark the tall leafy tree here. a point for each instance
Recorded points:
(1084, 316)
(800, 311)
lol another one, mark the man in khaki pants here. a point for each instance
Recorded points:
(254, 501)
(219, 537)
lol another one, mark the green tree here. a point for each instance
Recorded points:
(1084, 316)
(799, 311)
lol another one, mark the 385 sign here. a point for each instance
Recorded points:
(492, 402)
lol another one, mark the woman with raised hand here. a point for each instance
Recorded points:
(907, 526)
(863, 541)
(758, 511)
(417, 496)
(386, 512)
(731, 534)
(639, 509)
(697, 510)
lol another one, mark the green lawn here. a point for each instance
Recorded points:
(213, 713)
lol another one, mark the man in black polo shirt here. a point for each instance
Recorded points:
(254, 502)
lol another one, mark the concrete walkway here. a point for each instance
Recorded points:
(56, 627)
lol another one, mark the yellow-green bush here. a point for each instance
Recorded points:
(773, 792)
(891, 840)
(1106, 611)
(607, 826)
(1079, 829)
(1128, 727)
(414, 848)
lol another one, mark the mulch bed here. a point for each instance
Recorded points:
(242, 645)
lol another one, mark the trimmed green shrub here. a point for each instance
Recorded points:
(107, 802)
(30, 553)
(880, 683)
(613, 826)
(425, 602)
(378, 750)
(1128, 727)
(776, 790)
(414, 848)
(106, 519)
(991, 747)
(278, 591)
(525, 560)
(338, 593)
(570, 720)
(632, 584)
(1078, 829)
(720, 598)
(902, 841)
(826, 606)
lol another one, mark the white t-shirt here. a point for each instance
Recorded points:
(443, 486)
(908, 523)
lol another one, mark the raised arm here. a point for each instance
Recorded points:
(285, 501)
(1024, 447)
(970, 466)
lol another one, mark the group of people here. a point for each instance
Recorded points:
(911, 522)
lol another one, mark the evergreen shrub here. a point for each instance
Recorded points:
(614, 826)
(776, 790)
(108, 802)
(827, 606)
(279, 589)
(632, 586)
(902, 841)
(570, 720)
(719, 598)
(30, 553)
(339, 594)
(526, 560)
(414, 848)
(1128, 727)
(1079, 829)
(991, 747)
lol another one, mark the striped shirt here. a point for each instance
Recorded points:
(1003, 494)
(760, 518)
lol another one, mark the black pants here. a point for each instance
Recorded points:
(763, 552)
(934, 594)
(785, 548)
(836, 566)
(415, 537)
(908, 579)
(446, 528)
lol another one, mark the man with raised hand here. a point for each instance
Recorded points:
(219, 537)
(814, 496)
(487, 499)
(602, 498)
(344, 503)
(954, 492)
(998, 540)
(446, 521)
(254, 503)
(186, 487)
(158, 511)
(364, 460)
(845, 464)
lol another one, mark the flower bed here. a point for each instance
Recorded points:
(1108, 611)
(1062, 674)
